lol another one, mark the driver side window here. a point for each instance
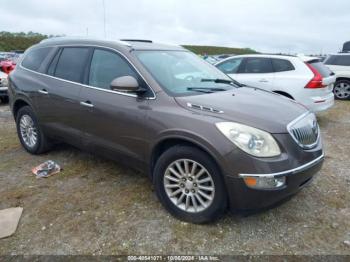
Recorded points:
(106, 66)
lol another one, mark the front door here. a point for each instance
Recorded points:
(114, 121)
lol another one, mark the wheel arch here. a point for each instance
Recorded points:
(283, 93)
(167, 142)
(18, 104)
(342, 78)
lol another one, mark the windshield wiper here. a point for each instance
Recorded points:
(222, 81)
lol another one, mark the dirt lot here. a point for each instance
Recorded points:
(97, 207)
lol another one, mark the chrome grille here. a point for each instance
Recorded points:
(305, 130)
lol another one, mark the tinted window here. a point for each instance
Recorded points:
(34, 58)
(231, 66)
(106, 66)
(321, 68)
(52, 67)
(71, 63)
(342, 60)
(282, 65)
(257, 65)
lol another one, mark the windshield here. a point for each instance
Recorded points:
(183, 73)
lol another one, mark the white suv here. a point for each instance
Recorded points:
(304, 79)
(340, 65)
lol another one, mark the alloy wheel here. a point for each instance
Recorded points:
(28, 131)
(189, 185)
(342, 90)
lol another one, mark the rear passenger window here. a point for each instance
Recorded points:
(282, 65)
(35, 57)
(106, 66)
(52, 67)
(230, 66)
(71, 64)
(257, 65)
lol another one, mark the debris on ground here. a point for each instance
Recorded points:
(9, 219)
(46, 169)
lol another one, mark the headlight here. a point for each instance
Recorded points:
(251, 140)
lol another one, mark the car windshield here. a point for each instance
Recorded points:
(182, 73)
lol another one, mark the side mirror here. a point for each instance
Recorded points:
(126, 84)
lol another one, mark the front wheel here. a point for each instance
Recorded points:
(342, 89)
(189, 185)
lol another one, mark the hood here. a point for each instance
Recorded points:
(250, 106)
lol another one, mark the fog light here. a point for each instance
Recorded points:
(265, 182)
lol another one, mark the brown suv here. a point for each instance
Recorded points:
(207, 143)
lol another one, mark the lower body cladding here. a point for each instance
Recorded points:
(251, 192)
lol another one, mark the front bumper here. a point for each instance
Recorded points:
(243, 198)
(3, 91)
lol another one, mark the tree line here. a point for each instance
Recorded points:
(19, 41)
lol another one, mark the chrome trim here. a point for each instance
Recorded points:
(204, 108)
(87, 104)
(296, 140)
(93, 87)
(44, 92)
(290, 171)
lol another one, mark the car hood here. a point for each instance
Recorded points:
(246, 105)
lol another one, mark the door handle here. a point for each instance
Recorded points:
(263, 80)
(43, 91)
(87, 104)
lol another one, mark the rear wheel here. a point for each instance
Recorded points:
(189, 185)
(342, 89)
(30, 133)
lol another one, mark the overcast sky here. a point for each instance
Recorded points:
(296, 26)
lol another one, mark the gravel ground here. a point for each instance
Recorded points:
(98, 207)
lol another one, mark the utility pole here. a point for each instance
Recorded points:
(104, 18)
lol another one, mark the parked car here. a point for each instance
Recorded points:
(3, 87)
(211, 59)
(207, 144)
(340, 65)
(304, 79)
(7, 66)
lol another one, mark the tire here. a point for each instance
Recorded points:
(341, 89)
(27, 119)
(205, 211)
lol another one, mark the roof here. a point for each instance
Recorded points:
(124, 44)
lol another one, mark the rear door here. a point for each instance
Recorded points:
(114, 121)
(256, 72)
(62, 110)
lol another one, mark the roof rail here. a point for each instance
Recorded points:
(137, 40)
(81, 38)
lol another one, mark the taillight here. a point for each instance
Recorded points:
(316, 81)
